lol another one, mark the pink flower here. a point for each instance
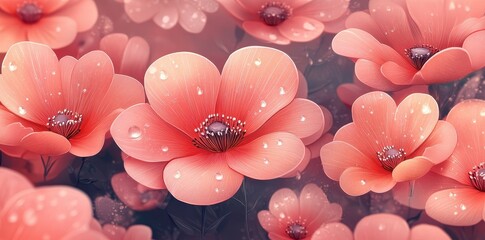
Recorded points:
(386, 226)
(310, 216)
(135, 195)
(409, 42)
(52, 22)
(134, 232)
(189, 14)
(461, 202)
(54, 212)
(129, 55)
(59, 106)
(386, 144)
(285, 21)
(213, 129)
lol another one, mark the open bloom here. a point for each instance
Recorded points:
(286, 21)
(59, 106)
(54, 212)
(386, 226)
(409, 42)
(52, 22)
(462, 201)
(213, 129)
(190, 14)
(386, 144)
(310, 216)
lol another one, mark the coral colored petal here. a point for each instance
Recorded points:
(440, 144)
(400, 95)
(53, 211)
(301, 166)
(238, 11)
(312, 199)
(252, 82)
(323, 10)
(191, 18)
(397, 74)
(167, 16)
(335, 231)
(11, 31)
(465, 29)
(142, 10)
(12, 134)
(415, 119)
(12, 183)
(85, 234)
(352, 135)
(57, 32)
(357, 181)
(301, 117)
(135, 58)
(149, 174)
(302, 91)
(114, 232)
(382, 226)
(141, 133)
(138, 232)
(46, 143)
(284, 205)
(472, 45)
(48, 6)
(373, 115)
(447, 65)
(216, 181)
(362, 20)
(434, 24)
(411, 169)
(182, 89)
(349, 92)
(426, 231)
(338, 156)
(269, 156)
(301, 29)
(264, 32)
(370, 74)
(457, 206)
(269, 222)
(84, 12)
(114, 45)
(337, 25)
(318, 144)
(255, 5)
(27, 69)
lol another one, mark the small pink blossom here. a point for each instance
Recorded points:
(204, 127)
(386, 226)
(408, 42)
(387, 144)
(52, 22)
(285, 21)
(309, 216)
(59, 106)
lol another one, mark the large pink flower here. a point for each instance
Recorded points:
(190, 14)
(205, 131)
(462, 201)
(59, 106)
(54, 212)
(386, 226)
(405, 42)
(286, 21)
(387, 144)
(310, 216)
(52, 22)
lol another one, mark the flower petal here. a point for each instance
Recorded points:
(167, 17)
(191, 18)
(252, 79)
(135, 58)
(362, 20)
(84, 12)
(284, 205)
(440, 144)
(457, 206)
(138, 232)
(426, 231)
(370, 74)
(46, 143)
(301, 28)
(114, 45)
(411, 169)
(357, 181)
(264, 32)
(12, 183)
(323, 10)
(141, 133)
(216, 181)
(397, 74)
(57, 32)
(142, 10)
(472, 45)
(11, 30)
(447, 65)
(336, 231)
(382, 226)
(312, 199)
(267, 157)
(51, 211)
(182, 89)
(11, 6)
(269, 222)
(146, 173)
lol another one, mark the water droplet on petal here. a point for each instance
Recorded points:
(362, 182)
(426, 109)
(152, 70)
(29, 217)
(298, 175)
(279, 142)
(282, 91)
(309, 26)
(134, 132)
(463, 207)
(12, 66)
(199, 91)
(381, 227)
(22, 111)
(177, 175)
(165, 149)
(282, 215)
(302, 118)
(272, 37)
(265, 161)
(263, 104)
(265, 145)
(163, 75)
(219, 176)
(257, 62)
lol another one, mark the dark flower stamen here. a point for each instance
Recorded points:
(29, 13)
(296, 231)
(477, 177)
(390, 157)
(274, 13)
(218, 133)
(66, 123)
(420, 54)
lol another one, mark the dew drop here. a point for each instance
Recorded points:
(482, 113)
(98, 64)
(272, 37)
(53, 73)
(279, 142)
(84, 90)
(298, 175)
(30, 218)
(199, 91)
(165, 19)
(263, 104)
(265, 145)
(217, 190)
(219, 176)
(152, 70)
(463, 207)
(58, 29)
(455, 213)
(12, 66)
(177, 175)
(302, 118)
(165, 149)
(426, 109)
(257, 62)
(163, 75)
(309, 26)
(134, 132)
(282, 91)
(381, 227)
(265, 161)
(282, 215)
(362, 182)
(22, 111)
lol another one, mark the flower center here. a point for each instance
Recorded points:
(274, 13)
(420, 54)
(66, 123)
(218, 133)
(296, 231)
(29, 13)
(390, 157)
(477, 177)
